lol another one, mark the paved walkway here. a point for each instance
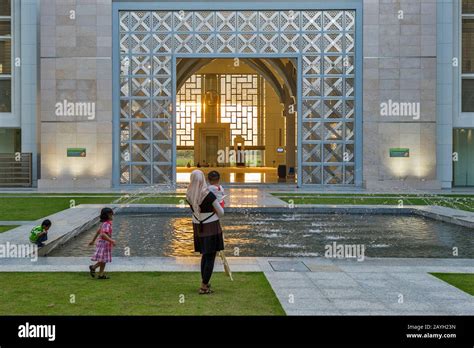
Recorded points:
(15, 223)
(375, 287)
(252, 198)
(315, 286)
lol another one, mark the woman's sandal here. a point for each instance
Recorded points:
(206, 291)
(103, 277)
(92, 271)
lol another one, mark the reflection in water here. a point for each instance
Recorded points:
(285, 235)
(181, 237)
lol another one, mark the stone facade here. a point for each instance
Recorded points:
(76, 66)
(400, 65)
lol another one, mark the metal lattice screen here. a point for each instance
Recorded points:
(241, 106)
(188, 110)
(241, 98)
(324, 40)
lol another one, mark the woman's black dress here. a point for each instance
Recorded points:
(208, 236)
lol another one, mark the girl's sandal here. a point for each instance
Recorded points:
(92, 271)
(103, 277)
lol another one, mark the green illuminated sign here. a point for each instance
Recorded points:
(76, 152)
(400, 153)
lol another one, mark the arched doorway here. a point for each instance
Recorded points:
(247, 130)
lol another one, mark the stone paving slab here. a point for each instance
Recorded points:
(373, 288)
(124, 264)
(289, 266)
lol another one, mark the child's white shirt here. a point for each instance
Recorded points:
(218, 191)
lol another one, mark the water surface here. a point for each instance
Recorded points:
(286, 235)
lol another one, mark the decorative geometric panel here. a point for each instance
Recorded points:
(162, 21)
(141, 174)
(311, 20)
(171, 32)
(333, 20)
(240, 106)
(312, 174)
(247, 43)
(312, 109)
(269, 20)
(247, 21)
(161, 65)
(333, 175)
(226, 21)
(312, 152)
(188, 110)
(205, 21)
(140, 21)
(290, 21)
(323, 40)
(141, 130)
(312, 131)
(290, 42)
(205, 43)
(328, 105)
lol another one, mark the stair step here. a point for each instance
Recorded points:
(15, 173)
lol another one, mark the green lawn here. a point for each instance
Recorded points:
(451, 201)
(135, 294)
(35, 206)
(464, 282)
(6, 228)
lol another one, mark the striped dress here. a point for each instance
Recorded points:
(103, 248)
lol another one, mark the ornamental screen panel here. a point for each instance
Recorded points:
(241, 106)
(324, 41)
(188, 110)
(241, 100)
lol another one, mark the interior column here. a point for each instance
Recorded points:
(290, 142)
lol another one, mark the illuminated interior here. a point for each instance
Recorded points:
(236, 116)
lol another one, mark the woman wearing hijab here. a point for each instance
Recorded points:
(208, 239)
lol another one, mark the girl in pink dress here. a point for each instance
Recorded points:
(103, 247)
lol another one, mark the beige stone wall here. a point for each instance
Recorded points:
(76, 66)
(399, 65)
